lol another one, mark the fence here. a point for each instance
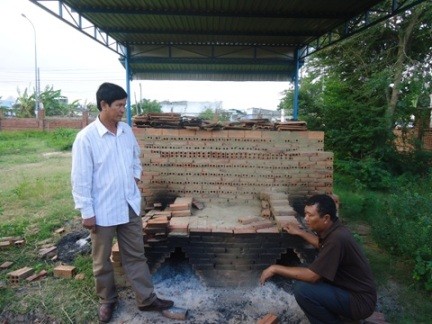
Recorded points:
(43, 123)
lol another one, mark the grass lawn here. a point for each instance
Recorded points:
(35, 200)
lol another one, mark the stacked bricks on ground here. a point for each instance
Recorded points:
(232, 166)
(262, 172)
(25, 273)
(119, 275)
(6, 242)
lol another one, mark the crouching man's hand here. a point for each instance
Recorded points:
(266, 274)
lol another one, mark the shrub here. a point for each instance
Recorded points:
(368, 173)
(62, 138)
(404, 225)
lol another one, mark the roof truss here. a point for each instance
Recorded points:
(220, 40)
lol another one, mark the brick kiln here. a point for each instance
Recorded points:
(222, 197)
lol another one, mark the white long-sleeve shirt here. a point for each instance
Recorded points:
(104, 168)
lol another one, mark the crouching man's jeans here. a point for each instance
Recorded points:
(322, 302)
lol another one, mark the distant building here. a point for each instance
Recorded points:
(63, 100)
(194, 108)
(260, 113)
(6, 105)
(236, 115)
(189, 108)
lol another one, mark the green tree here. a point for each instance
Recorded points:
(25, 106)
(207, 114)
(356, 90)
(92, 109)
(53, 102)
(146, 106)
(219, 115)
(310, 100)
(412, 31)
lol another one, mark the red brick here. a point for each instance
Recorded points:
(19, 242)
(376, 318)
(181, 213)
(268, 230)
(48, 252)
(179, 206)
(244, 230)
(59, 230)
(222, 230)
(284, 220)
(248, 219)
(199, 229)
(6, 265)
(5, 244)
(262, 224)
(315, 135)
(64, 271)
(184, 201)
(268, 319)
(115, 253)
(37, 276)
(158, 221)
(17, 275)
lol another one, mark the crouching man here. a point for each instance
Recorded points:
(339, 282)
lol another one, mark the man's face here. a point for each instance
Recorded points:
(313, 219)
(115, 111)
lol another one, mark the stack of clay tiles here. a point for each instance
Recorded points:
(157, 120)
(181, 210)
(173, 220)
(291, 126)
(175, 120)
(155, 225)
(181, 207)
(278, 206)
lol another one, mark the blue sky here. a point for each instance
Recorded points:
(76, 64)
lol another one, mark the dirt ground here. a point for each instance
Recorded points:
(176, 280)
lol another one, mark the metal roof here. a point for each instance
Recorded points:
(218, 40)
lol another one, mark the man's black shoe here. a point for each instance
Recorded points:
(158, 305)
(105, 312)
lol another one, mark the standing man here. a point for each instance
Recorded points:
(106, 168)
(339, 283)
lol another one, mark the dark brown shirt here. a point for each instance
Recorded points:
(341, 262)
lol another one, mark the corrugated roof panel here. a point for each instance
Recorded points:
(250, 33)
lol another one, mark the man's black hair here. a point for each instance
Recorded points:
(109, 92)
(325, 205)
